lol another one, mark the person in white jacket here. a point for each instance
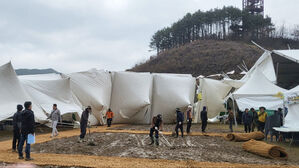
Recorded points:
(55, 116)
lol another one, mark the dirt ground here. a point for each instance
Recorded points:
(198, 148)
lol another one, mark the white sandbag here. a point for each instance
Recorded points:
(131, 97)
(172, 91)
(92, 88)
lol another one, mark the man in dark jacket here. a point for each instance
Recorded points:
(204, 119)
(254, 119)
(157, 125)
(27, 127)
(17, 127)
(230, 118)
(247, 119)
(179, 124)
(84, 122)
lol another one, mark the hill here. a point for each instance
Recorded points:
(35, 71)
(206, 57)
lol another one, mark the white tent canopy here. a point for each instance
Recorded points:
(93, 88)
(131, 97)
(258, 91)
(289, 54)
(292, 102)
(170, 92)
(13, 93)
(48, 92)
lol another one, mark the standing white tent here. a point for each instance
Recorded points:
(291, 99)
(131, 97)
(258, 91)
(170, 92)
(12, 93)
(93, 88)
(47, 92)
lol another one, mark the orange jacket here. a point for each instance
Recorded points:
(109, 114)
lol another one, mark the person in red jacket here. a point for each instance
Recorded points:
(109, 116)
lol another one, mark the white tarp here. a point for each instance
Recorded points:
(12, 93)
(291, 99)
(93, 88)
(172, 91)
(289, 54)
(258, 91)
(45, 93)
(131, 97)
(51, 76)
(233, 83)
(213, 94)
(265, 65)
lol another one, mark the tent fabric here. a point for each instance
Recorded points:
(92, 88)
(47, 92)
(291, 99)
(51, 76)
(172, 91)
(13, 93)
(213, 94)
(289, 54)
(258, 91)
(265, 65)
(131, 97)
(233, 83)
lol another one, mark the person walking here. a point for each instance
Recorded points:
(157, 125)
(84, 122)
(189, 118)
(255, 117)
(55, 116)
(16, 121)
(262, 116)
(109, 116)
(179, 124)
(247, 119)
(27, 127)
(230, 119)
(204, 119)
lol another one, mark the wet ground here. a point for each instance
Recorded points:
(198, 148)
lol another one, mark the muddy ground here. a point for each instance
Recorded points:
(199, 148)
(215, 128)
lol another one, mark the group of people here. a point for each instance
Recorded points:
(24, 124)
(157, 123)
(253, 119)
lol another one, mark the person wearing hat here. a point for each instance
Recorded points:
(179, 124)
(17, 127)
(84, 122)
(262, 116)
(189, 118)
(157, 125)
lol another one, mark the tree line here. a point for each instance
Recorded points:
(219, 24)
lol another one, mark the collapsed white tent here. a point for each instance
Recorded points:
(213, 93)
(258, 91)
(265, 66)
(12, 93)
(48, 92)
(289, 54)
(93, 88)
(172, 91)
(131, 97)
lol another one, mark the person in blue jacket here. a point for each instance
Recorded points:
(179, 124)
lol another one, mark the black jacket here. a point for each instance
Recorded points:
(204, 116)
(179, 117)
(17, 119)
(27, 122)
(84, 117)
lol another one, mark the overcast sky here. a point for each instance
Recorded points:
(75, 35)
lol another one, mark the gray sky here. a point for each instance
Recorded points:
(75, 35)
